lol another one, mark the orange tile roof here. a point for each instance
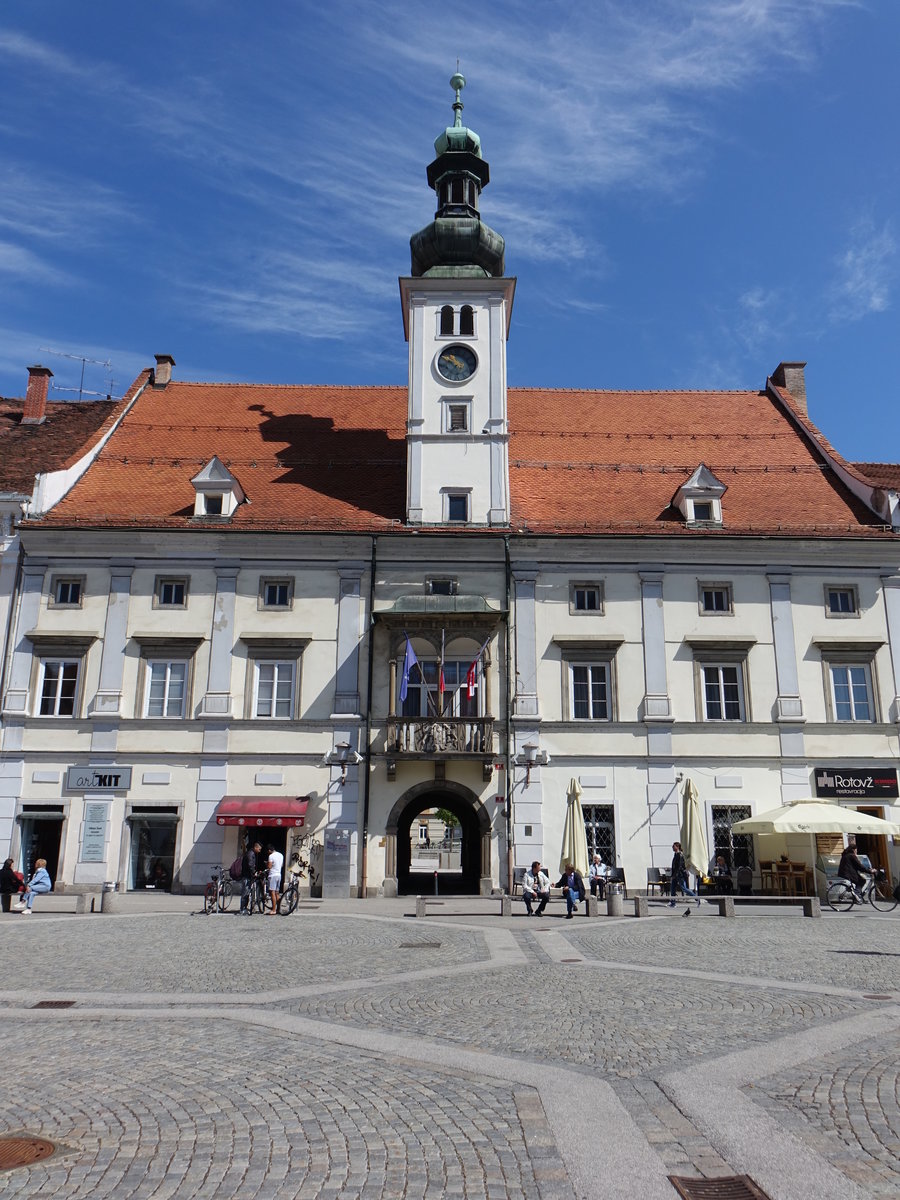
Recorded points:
(883, 475)
(320, 458)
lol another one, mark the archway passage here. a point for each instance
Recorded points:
(464, 882)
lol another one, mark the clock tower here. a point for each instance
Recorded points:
(457, 305)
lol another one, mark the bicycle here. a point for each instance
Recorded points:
(290, 897)
(260, 900)
(841, 895)
(218, 892)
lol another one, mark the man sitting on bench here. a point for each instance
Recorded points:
(535, 886)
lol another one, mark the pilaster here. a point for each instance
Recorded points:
(216, 703)
(657, 705)
(107, 703)
(349, 639)
(890, 590)
(525, 703)
(789, 706)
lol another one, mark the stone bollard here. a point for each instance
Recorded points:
(592, 906)
(641, 908)
(505, 906)
(614, 904)
(726, 906)
(110, 902)
(420, 906)
(812, 906)
(84, 903)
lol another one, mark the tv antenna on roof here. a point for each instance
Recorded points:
(83, 360)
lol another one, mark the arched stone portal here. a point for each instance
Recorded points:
(475, 879)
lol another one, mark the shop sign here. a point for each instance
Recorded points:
(93, 838)
(98, 779)
(866, 783)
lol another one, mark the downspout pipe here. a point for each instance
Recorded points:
(370, 667)
(507, 693)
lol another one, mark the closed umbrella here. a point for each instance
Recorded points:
(814, 816)
(693, 838)
(574, 844)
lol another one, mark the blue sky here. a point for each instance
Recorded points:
(690, 190)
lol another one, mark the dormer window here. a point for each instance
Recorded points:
(217, 491)
(700, 498)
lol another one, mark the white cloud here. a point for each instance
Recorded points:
(49, 205)
(865, 272)
(17, 262)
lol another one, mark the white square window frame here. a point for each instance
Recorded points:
(448, 494)
(591, 665)
(266, 581)
(728, 611)
(852, 590)
(715, 508)
(64, 656)
(56, 582)
(162, 580)
(843, 660)
(722, 655)
(168, 660)
(582, 585)
(448, 403)
(739, 667)
(272, 660)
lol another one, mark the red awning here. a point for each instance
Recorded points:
(254, 811)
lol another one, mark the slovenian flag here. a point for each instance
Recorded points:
(409, 662)
(472, 673)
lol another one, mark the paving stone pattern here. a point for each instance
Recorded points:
(396, 1071)
(618, 1022)
(847, 1111)
(171, 1113)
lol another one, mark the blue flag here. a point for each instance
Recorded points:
(409, 662)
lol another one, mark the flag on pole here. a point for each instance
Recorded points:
(472, 673)
(409, 662)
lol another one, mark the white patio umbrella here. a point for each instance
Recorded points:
(574, 843)
(814, 816)
(693, 837)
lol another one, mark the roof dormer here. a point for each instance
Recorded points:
(218, 493)
(699, 499)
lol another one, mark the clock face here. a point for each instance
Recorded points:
(456, 363)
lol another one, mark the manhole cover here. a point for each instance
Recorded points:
(420, 945)
(876, 996)
(54, 1004)
(732, 1187)
(23, 1151)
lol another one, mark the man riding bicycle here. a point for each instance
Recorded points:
(852, 869)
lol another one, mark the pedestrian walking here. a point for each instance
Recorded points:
(679, 880)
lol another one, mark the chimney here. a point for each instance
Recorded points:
(36, 396)
(163, 373)
(789, 375)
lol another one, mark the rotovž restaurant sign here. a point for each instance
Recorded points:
(875, 783)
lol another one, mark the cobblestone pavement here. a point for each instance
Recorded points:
(355, 1053)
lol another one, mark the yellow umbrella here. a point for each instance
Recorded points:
(574, 844)
(693, 838)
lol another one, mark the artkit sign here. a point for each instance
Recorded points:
(878, 783)
(98, 779)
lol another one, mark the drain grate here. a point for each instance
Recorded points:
(23, 1151)
(732, 1187)
(571, 960)
(420, 945)
(54, 1004)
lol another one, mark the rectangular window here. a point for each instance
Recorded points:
(715, 598)
(735, 848)
(66, 592)
(213, 504)
(590, 691)
(276, 593)
(171, 593)
(841, 602)
(441, 587)
(166, 688)
(457, 418)
(702, 510)
(457, 506)
(585, 597)
(58, 687)
(723, 698)
(600, 829)
(851, 692)
(274, 690)
(422, 694)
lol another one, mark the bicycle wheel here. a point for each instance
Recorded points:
(209, 898)
(840, 897)
(287, 902)
(882, 896)
(225, 894)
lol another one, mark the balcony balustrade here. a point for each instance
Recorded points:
(439, 736)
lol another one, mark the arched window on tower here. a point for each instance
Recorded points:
(447, 320)
(456, 191)
(466, 320)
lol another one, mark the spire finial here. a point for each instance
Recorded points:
(457, 82)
